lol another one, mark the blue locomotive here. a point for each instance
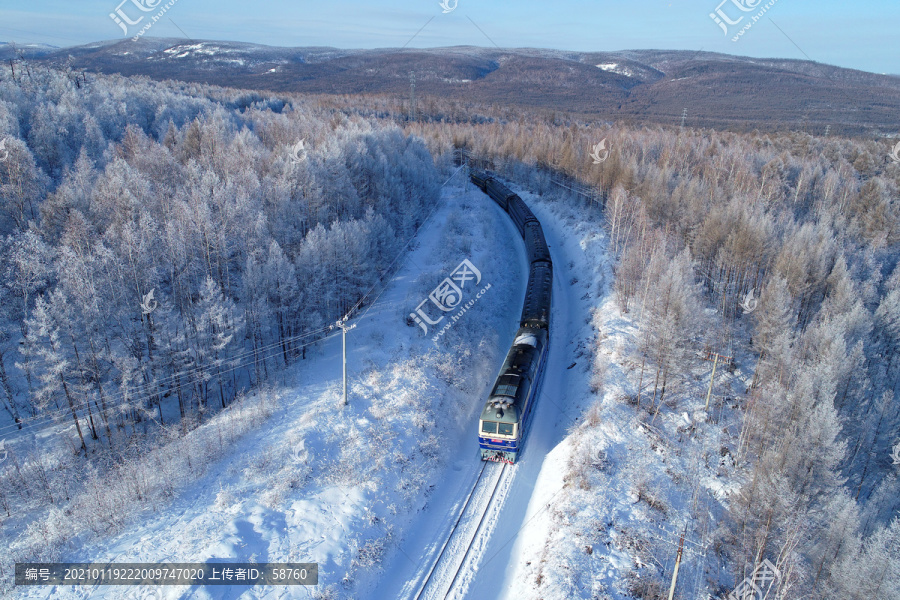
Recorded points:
(504, 420)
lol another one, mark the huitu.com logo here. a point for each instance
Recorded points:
(597, 456)
(758, 584)
(4, 153)
(298, 152)
(749, 303)
(723, 20)
(894, 155)
(448, 5)
(448, 296)
(123, 20)
(599, 152)
(148, 304)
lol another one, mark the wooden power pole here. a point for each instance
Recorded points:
(714, 356)
(344, 329)
(677, 566)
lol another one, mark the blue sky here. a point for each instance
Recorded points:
(857, 35)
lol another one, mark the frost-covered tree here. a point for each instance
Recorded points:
(55, 381)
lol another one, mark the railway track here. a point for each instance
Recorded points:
(447, 564)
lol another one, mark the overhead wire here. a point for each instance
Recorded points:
(146, 387)
(45, 419)
(151, 389)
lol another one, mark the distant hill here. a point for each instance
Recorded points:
(9, 50)
(654, 86)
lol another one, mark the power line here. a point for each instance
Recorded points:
(147, 390)
(151, 389)
(46, 418)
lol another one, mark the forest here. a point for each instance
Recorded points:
(166, 247)
(697, 220)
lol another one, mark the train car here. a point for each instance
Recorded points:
(479, 179)
(535, 245)
(504, 421)
(499, 192)
(536, 308)
(520, 213)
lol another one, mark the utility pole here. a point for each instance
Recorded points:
(683, 117)
(344, 329)
(713, 375)
(677, 566)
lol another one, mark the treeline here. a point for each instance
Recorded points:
(166, 245)
(700, 219)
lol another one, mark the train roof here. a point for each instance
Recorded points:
(536, 308)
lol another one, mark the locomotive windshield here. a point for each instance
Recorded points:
(505, 428)
(488, 427)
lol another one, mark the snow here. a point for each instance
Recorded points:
(526, 338)
(524, 525)
(205, 49)
(200, 48)
(504, 553)
(355, 488)
(615, 68)
(340, 486)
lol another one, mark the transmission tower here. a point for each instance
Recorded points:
(412, 96)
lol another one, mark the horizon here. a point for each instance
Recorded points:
(176, 41)
(836, 34)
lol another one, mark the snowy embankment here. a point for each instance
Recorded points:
(515, 529)
(320, 482)
(581, 273)
(614, 495)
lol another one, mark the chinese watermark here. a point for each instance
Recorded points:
(758, 584)
(448, 297)
(4, 453)
(599, 152)
(4, 153)
(749, 303)
(895, 456)
(146, 6)
(447, 6)
(298, 152)
(721, 18)
(894, 155)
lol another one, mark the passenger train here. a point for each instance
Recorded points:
(504, 420)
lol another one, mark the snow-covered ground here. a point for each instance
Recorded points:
(335, 485)
(617, 485)
(371, 491)
(516, 527)
(564, 398)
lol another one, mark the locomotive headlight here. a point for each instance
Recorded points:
(500, 413)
